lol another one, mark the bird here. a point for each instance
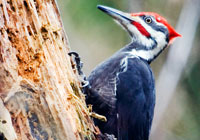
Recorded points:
(122, 88)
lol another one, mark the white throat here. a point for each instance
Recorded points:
(153, 45)
(151, 52)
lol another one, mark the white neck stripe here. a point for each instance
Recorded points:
(148, 55)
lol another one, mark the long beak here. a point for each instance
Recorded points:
(123, 18)
(116, 14)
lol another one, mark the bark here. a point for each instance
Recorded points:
(40, 96)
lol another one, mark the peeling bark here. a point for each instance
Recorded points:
(40, 96)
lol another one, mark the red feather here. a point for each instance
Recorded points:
(141, 29)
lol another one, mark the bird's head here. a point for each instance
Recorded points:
(149, 29)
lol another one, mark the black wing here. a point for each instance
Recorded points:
(103, 82)
(135, 101)
(103, 100)
(102, 93)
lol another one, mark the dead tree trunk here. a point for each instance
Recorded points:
(40, 96)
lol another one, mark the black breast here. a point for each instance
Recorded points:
(135, 100)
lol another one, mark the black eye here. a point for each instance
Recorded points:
(148, 20)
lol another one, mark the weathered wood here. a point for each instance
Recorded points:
(40, 96)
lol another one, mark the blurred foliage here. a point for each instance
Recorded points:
(187, 126)
(85, 17)
(95, 36)
(191, 117)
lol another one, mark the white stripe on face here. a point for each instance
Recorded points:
(159, 37)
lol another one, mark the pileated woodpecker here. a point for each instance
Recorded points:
(122, 88)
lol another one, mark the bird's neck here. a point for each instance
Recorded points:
(148, 53)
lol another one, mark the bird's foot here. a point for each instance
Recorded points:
(78, 66)
(109, 137)
(106, 137)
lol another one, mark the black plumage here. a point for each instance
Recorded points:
(122, 89)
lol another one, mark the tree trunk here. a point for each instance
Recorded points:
(40, 96)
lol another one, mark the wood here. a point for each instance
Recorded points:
(40, 96)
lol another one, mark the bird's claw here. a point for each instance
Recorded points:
(106, 136)
(84, 83)
(79, 66)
